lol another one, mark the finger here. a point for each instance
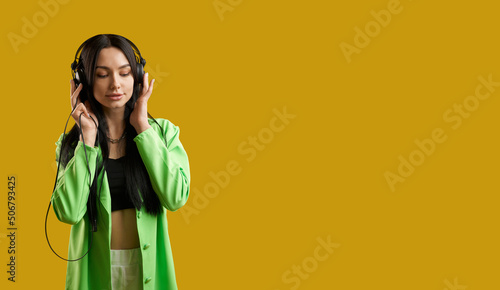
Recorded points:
(80, 108)
(75, 95)
(76, 113)
(71, 90)
(86, 110)
(145, 82)
(150, 90)
(77, 91)
(80, 86)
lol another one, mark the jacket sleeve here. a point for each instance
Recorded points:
(167, 164)
(69, 198)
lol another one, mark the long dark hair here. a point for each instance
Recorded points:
(136, 175)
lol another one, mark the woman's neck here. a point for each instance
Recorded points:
(116, 123)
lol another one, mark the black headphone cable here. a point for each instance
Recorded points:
(94, 221)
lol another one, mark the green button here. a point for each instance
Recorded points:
(146, 246)
(148, 279)
(138, 214)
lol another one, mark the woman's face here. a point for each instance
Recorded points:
(113, 75)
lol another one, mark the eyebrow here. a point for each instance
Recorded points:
(105, 67)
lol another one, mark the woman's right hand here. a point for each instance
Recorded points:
(87, 126)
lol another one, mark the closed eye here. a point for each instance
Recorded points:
(103, 76)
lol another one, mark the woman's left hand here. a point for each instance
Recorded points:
(139, 116)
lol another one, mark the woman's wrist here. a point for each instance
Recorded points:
(141, 128)
(89, 139)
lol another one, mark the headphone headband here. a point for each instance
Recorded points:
(78, 72)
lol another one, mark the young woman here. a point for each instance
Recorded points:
(119, 173)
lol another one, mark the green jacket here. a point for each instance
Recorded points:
(168, 169)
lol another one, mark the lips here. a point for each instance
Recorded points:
(115, 97)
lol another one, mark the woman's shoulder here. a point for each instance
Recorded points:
(162, 121)
(161, 124)
(164, 127)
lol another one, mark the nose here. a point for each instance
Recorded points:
(115, 82)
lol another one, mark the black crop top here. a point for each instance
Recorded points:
(116, 180)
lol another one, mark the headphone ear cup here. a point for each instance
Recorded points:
(76, 79)
(80, 77)
(140, 73)
(74, 72)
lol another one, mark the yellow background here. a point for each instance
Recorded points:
(322, 176)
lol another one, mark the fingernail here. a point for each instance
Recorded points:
(147, 74)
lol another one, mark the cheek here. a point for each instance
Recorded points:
(98, 89)
(130, 86)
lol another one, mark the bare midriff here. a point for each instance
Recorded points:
(124, 233)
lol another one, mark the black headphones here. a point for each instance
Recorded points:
(79, 74)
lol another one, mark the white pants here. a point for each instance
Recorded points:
(126, 269)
